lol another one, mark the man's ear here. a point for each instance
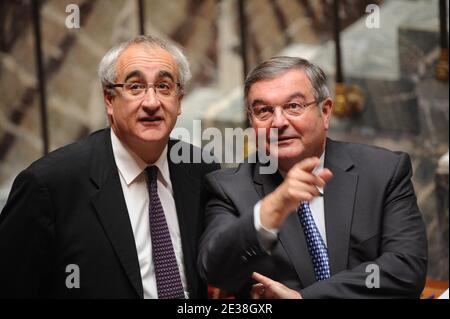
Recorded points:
(327, 107)
(180, 97)
(250, 118)
(108, 98)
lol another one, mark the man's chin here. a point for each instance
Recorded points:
(152, 136)
(288, 156)
(286, 152)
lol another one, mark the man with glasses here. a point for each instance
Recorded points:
(337, 220)
(112, 216)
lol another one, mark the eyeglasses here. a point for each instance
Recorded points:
(137, 90)
(293, 109)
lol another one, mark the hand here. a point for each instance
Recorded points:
(270, 289)
(299, 185)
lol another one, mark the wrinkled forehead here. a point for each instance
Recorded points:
(281, 88)
(148, 62)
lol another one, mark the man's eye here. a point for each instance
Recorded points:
(163, 86)
(136, 86)
(264, 109)
(294, 106)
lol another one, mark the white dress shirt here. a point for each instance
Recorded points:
(135, 190)
(267, 237)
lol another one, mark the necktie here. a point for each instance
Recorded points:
(168, 280)
(316, 246)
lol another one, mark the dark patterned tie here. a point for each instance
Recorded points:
(168, 280)
(316, 246)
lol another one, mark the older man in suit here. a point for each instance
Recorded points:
(112, 216)
(337, 220)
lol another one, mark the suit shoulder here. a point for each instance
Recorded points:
(371, 152)
(376, 162)
(67, 159)
(244, 170)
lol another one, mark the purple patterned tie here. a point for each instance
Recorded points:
(168, 280)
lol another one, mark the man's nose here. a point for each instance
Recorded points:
(279, 120)
(150, 98)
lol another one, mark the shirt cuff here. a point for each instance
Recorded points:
(266, 237)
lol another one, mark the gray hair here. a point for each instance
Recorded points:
(107, 68)
(282, 64)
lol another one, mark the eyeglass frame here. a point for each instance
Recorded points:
(148, 85)
(304, 106)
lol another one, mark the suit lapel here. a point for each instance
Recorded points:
(293, 240)
(185, 189)
(339, 198)
(291, 235)
(265, 183)
(112, 211)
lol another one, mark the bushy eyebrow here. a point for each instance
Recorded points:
(135, 73)
(292, 96)
(297, 95)
(166, 74)
(258, 102)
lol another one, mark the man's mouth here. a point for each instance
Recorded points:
(279, 139)
(151, 119)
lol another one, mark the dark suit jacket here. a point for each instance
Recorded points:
(68, 208)
(371, 217)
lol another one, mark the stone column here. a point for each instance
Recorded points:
(229, 60)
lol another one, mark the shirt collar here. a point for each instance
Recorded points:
(319, 168)
(321, 164)
(130, 165)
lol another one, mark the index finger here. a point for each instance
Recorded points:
(308, 164)
(325, 174)
(266, 281)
